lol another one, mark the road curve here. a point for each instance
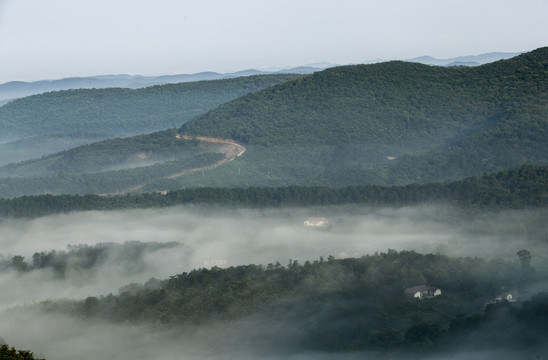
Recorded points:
(230, 148)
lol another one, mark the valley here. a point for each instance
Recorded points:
(340, 127)
(168, 221)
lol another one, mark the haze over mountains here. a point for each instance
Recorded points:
(16, 89)
(193, 197)
(389, 123)
(469, 60)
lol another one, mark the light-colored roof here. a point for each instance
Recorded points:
(421, 288)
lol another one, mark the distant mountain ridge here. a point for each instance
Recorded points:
(18, 89)
(470, 60)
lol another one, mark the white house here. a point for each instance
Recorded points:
(423, 291)
(504, 296)
(317, 222)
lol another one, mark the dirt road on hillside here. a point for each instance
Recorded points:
(229, 148)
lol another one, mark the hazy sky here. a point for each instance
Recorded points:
(48, 39)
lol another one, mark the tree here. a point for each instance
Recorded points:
(524, 258)
(18, 263)
(91, 305)
(7, 353)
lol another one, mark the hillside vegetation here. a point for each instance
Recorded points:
(123, 111)
(10, 353)
(526, 187)
(337, 304)
(107, 182)
(112, 154)
(390, 123)
(92, 114)
(111, 166)
(393, 123)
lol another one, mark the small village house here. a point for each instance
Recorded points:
(423, 292)
(317, 222)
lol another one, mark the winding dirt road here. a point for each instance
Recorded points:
(229, 148)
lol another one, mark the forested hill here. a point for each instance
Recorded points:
(112, 154)
(392, 102)
(340, 305)
(117, 111)
(389, 124)
(526, 187)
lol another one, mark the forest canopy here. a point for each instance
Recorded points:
(512, 189)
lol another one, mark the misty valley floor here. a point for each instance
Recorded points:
(205, 238)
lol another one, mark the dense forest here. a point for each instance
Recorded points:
(511, 189)
(123, 111)
(386, 103)
(387, 123)
(43, 124)
(342, 304)
(383, 136)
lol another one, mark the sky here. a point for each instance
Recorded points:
(52, 39)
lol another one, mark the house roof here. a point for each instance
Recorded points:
(421, 288)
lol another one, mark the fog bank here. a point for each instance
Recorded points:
(229, 237)
(209, 237)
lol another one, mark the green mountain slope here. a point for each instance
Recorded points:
(110, 166)
(106, 182)
(112, 154)
(392, 123)
(116, 112)
(123, 111)
(388, 123)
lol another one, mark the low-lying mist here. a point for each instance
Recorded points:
(223, 237)
(241, 236)
(20, 149)
(63, 338)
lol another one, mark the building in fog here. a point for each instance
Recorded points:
(423, 292)
(317, 222)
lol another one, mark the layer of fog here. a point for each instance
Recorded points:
(262, 236)
(21, 149)
(215, 237)
(235, 237)
(63, 338)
